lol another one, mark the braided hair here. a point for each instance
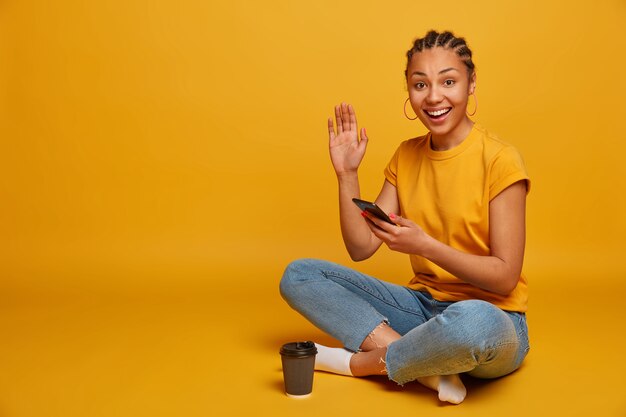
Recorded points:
(445, 40)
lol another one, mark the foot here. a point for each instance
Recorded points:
(449, 387)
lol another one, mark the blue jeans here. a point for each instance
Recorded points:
(438, 338)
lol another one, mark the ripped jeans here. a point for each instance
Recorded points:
(438, 338)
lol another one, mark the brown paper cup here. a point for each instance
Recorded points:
(298, 360)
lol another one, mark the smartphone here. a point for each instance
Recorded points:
(372, 208)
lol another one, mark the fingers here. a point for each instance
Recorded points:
(352, 117)
(338, 119)
(401, 221)
(345, 117)
(364, 139)
(380, 224)
(375, 229)
(331, 129)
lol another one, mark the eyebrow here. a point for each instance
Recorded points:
(443, 71)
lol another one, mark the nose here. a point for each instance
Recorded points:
(434, 95)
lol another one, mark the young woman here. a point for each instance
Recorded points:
(457, 196)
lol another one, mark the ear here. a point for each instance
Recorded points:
(472, 83)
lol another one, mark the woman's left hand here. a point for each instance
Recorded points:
(405, 236)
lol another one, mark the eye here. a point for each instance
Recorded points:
(419, 85)
(448, 83)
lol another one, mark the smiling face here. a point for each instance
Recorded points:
(439, 87)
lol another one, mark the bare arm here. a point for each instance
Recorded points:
(498, 272)
(360, 242)
(346, 153)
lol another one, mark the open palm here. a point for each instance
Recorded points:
(346, 150)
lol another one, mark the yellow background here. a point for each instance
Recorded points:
(161, 162)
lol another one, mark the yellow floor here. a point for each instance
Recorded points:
(160, 162)
(190, 350)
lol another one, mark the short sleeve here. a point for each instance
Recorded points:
(391, 170)
(507, 168)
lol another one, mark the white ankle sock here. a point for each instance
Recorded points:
(449, 387)
(335, 360)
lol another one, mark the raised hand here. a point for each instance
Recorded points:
(346, 150)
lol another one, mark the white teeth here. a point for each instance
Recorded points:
(438, 112)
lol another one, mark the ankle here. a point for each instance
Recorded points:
(369, 363)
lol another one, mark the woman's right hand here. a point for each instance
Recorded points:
(346, 150)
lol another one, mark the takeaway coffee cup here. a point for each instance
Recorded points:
(298, 362)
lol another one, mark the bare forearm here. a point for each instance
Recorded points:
(487, 272)
(357, 237)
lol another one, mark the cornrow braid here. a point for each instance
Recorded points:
(445, 40)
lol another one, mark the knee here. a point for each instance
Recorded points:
(478, 325)
(479, 312)
(296, 273)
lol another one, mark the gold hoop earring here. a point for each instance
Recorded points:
(405, 113)
(475, 105)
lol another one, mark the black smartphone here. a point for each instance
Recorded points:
(372, 208)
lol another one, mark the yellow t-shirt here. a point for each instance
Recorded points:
(447, 193)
